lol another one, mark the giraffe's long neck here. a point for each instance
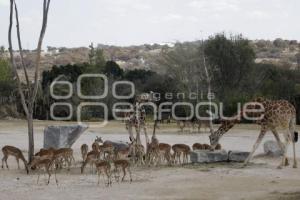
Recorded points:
(228, 124)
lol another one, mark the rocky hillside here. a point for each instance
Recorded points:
(284, 53)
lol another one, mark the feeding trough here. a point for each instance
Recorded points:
(62, 136)
(238, 156)
(207, 156)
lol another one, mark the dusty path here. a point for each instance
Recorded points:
(261, 180)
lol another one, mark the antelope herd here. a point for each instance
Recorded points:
(107, 158)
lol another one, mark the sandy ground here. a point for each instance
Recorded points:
(225, 181)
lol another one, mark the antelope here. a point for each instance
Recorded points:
(122, 153)
(137, 153)
(165, 152)
(201, 123)
(197, 146)
(107, 149)
(84, 150)
(45, 162)
(45, 152)
(17, 153)
(98, 139)
(103, 166)
(124, 164)
(91, 158)
(206, 147)
(218, 147)
(64, 155)
(178, 149)
(95, 146)
(153, 154)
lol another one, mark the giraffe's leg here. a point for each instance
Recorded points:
(146, 134)
(131, 137)
(294, 153)
(258, 141)
(276, 135)
(138, 136)
(288, 138)
(281, 145)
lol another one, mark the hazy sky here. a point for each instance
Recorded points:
(75, 23)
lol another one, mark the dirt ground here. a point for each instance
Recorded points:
(224, 181)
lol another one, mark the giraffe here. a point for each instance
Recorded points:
(137, 119)
(277, 113)
(153, 154)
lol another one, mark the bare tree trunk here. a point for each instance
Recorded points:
(27, 100)
(208, 80)
(30, 137)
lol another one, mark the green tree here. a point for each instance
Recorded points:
(99, 57)
(96, 56)
(298, 60)
(2, 51)
(113, 69)
(232, 60)
(5, 71)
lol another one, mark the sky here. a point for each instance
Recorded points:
(74, 23)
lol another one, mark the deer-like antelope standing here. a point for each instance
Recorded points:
(122, 153)
(45, 152)
(153, 154)
(45, 162)
(181, 149)
(197, 146)
(165, 152)
(15, 152)
(91, 158)
(103, 167)
(107, 150)
(64, 156)
(122, 164)
(84, 151)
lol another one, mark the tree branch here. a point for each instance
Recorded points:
(25, 107)
(39, 48)
(21, 49)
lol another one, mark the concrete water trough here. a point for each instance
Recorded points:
(207, 156)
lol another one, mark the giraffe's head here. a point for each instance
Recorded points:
(214, 138)
(216, 135)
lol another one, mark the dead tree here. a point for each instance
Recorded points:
(27, 100)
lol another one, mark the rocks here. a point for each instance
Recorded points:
(206, 156)
(237, 156)
(272, 148)
(62, 136)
